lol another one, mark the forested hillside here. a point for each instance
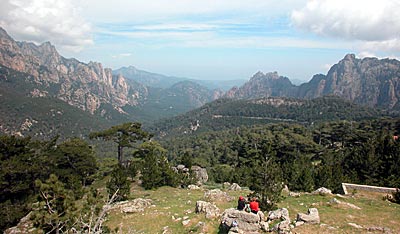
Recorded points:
(228, 113)
(325, 154)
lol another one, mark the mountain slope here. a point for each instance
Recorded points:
(25, 110)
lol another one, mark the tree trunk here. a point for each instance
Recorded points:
(120, 155)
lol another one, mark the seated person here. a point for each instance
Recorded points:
(254, 205)
(241, 203)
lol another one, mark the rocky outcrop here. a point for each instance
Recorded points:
(134, 206)
(211, 210)
(200, 174)
(236, 221)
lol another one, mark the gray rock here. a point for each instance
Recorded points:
(355, 225)
(235, 187)
(264, 226)
(246, 222)
(226, 185)
(200, 173)
(211, 210)
(282, 214)
(286, 189)
(193, 187)
(134, 206)
(185, 222)
(294, 194)
(311, 217)
(298, 223)
(323, 191)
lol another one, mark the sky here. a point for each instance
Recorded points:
(210, 39)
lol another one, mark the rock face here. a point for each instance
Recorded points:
(85, 86)
(369, 81)
(211, 210)
(312, 217)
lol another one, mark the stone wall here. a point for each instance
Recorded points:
(350, 187)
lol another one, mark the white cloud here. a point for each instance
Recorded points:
(154, 10)
(375, 24)
(46, 20)
(123, 55)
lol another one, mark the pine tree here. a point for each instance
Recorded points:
(267, 178)
(119, 183)
(55, 211)
(124, 135)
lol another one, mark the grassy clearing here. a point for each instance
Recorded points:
(335, 218)
(171, 205)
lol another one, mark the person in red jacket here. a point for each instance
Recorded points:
(254, 206)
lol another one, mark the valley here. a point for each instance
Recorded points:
(80, 143)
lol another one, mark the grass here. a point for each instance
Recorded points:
(171, 205)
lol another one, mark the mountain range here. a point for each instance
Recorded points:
(370, 81)
(38, 74)
(94, 89)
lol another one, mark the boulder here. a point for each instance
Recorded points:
(240, 221)
(200, 174)
(294, 194)
(193, 187)
(323, 191)
(285, 189)
(282, 227)
(282, 214)
(217, 195)
(235, 187)
(226, 185)
(311, 217)
(211, 210)
(134, 206)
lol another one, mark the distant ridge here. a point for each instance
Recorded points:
(369, 81)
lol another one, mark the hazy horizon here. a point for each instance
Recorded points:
(208, 39)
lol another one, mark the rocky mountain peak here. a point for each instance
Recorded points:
(349, 57)
(4, 34)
